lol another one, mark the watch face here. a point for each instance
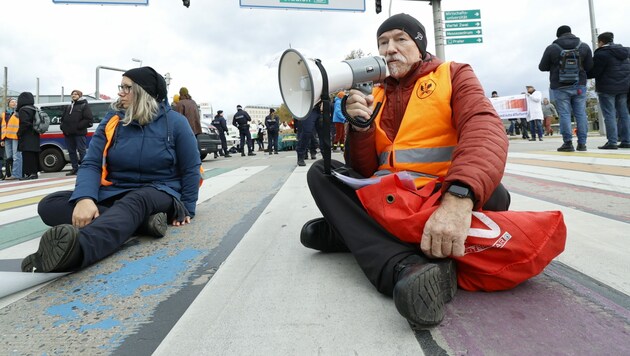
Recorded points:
(458, 191)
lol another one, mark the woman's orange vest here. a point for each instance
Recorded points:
(10, 127)
(426, 138)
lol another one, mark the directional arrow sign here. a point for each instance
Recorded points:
(464, 33)
(465, 40)
(462, 15)
(465, 24)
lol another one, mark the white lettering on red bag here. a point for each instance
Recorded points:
(491, 233)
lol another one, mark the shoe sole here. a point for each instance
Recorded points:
(157, 225)
(428, 290)
(54, 249)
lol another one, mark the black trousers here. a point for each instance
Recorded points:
(30, 163)
(377, 251)
(224, 147)
(119, 218)
(246, 139)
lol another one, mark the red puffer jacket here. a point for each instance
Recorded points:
(481, 152)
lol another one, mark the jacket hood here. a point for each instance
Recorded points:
(25, 98)
(616, 50)
(567, 41)
(81, 101)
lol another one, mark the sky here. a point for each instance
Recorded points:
(227, 55)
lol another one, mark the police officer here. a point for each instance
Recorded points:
(272, 122)
(241, 121)
(220, 124)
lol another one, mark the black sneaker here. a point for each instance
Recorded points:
(566, 147)
(59, 251)
(624, 145)
(71, 173)
(251, 154)
(581, 147)
(422, 289)
(155, 225)
(301, 162)
(608, 146)
(316, 234)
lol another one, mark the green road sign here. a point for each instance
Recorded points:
(462, 15)
(475, 32)
(465, 24)
(466, 40)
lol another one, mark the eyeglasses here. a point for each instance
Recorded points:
(124, 88)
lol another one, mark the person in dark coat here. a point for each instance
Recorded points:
(611, 70)
(272, 122)
(75, 120)
(241, 120)
(28, 138)
(570, 98)
(221, 125)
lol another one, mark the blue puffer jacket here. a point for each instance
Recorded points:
(611, 69)
(154, 155)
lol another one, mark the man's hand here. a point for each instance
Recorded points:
(180, 223)
(84, 212)
(446, 230)
(358, 105)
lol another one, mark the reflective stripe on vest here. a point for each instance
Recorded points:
(110, 129)
(426, 139)
(10, 128)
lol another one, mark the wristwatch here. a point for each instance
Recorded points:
(461, 191)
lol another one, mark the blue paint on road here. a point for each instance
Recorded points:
(103, 324)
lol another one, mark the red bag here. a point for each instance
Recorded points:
(502, 250)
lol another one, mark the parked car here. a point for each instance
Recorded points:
(208, 140)
(54, 154)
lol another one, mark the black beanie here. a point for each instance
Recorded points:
(152, 82)
(562, 30)
(408, 24)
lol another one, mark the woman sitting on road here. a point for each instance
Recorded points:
(141, 170)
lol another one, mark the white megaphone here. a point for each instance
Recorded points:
(301, 81)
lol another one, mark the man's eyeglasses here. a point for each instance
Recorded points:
(124, 88)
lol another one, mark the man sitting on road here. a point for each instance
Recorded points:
(435, 122)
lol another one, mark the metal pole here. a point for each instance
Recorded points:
(439, 29)
(37, 92)
(62, 93)
(591, 10)
(97, 93)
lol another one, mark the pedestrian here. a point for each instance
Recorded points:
(534, 112)
(549, 114)
(220, 124)
(306, 139)
(441, 131)
(75, 120)
(272, 122)
(260, 135)
(339, 123)
(241, 120)
(611, 70)
(569, 95)
(189, 108)
(175, 101)
(28, 138)
(117, 194)
(10, 128)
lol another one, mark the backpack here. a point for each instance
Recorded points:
(570, 65)
(41, 121)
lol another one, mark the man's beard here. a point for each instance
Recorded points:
(399, 68)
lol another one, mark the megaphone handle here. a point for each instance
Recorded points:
(356, 122)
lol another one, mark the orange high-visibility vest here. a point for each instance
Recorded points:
(110, 129)
(10, 127)
(426, 138)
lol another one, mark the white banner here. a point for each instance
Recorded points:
(510, 107)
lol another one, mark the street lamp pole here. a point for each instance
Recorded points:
(137, 60)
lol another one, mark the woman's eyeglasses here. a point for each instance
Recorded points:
(124, 89)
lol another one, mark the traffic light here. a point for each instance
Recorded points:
(378, 6)
(186, 3)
